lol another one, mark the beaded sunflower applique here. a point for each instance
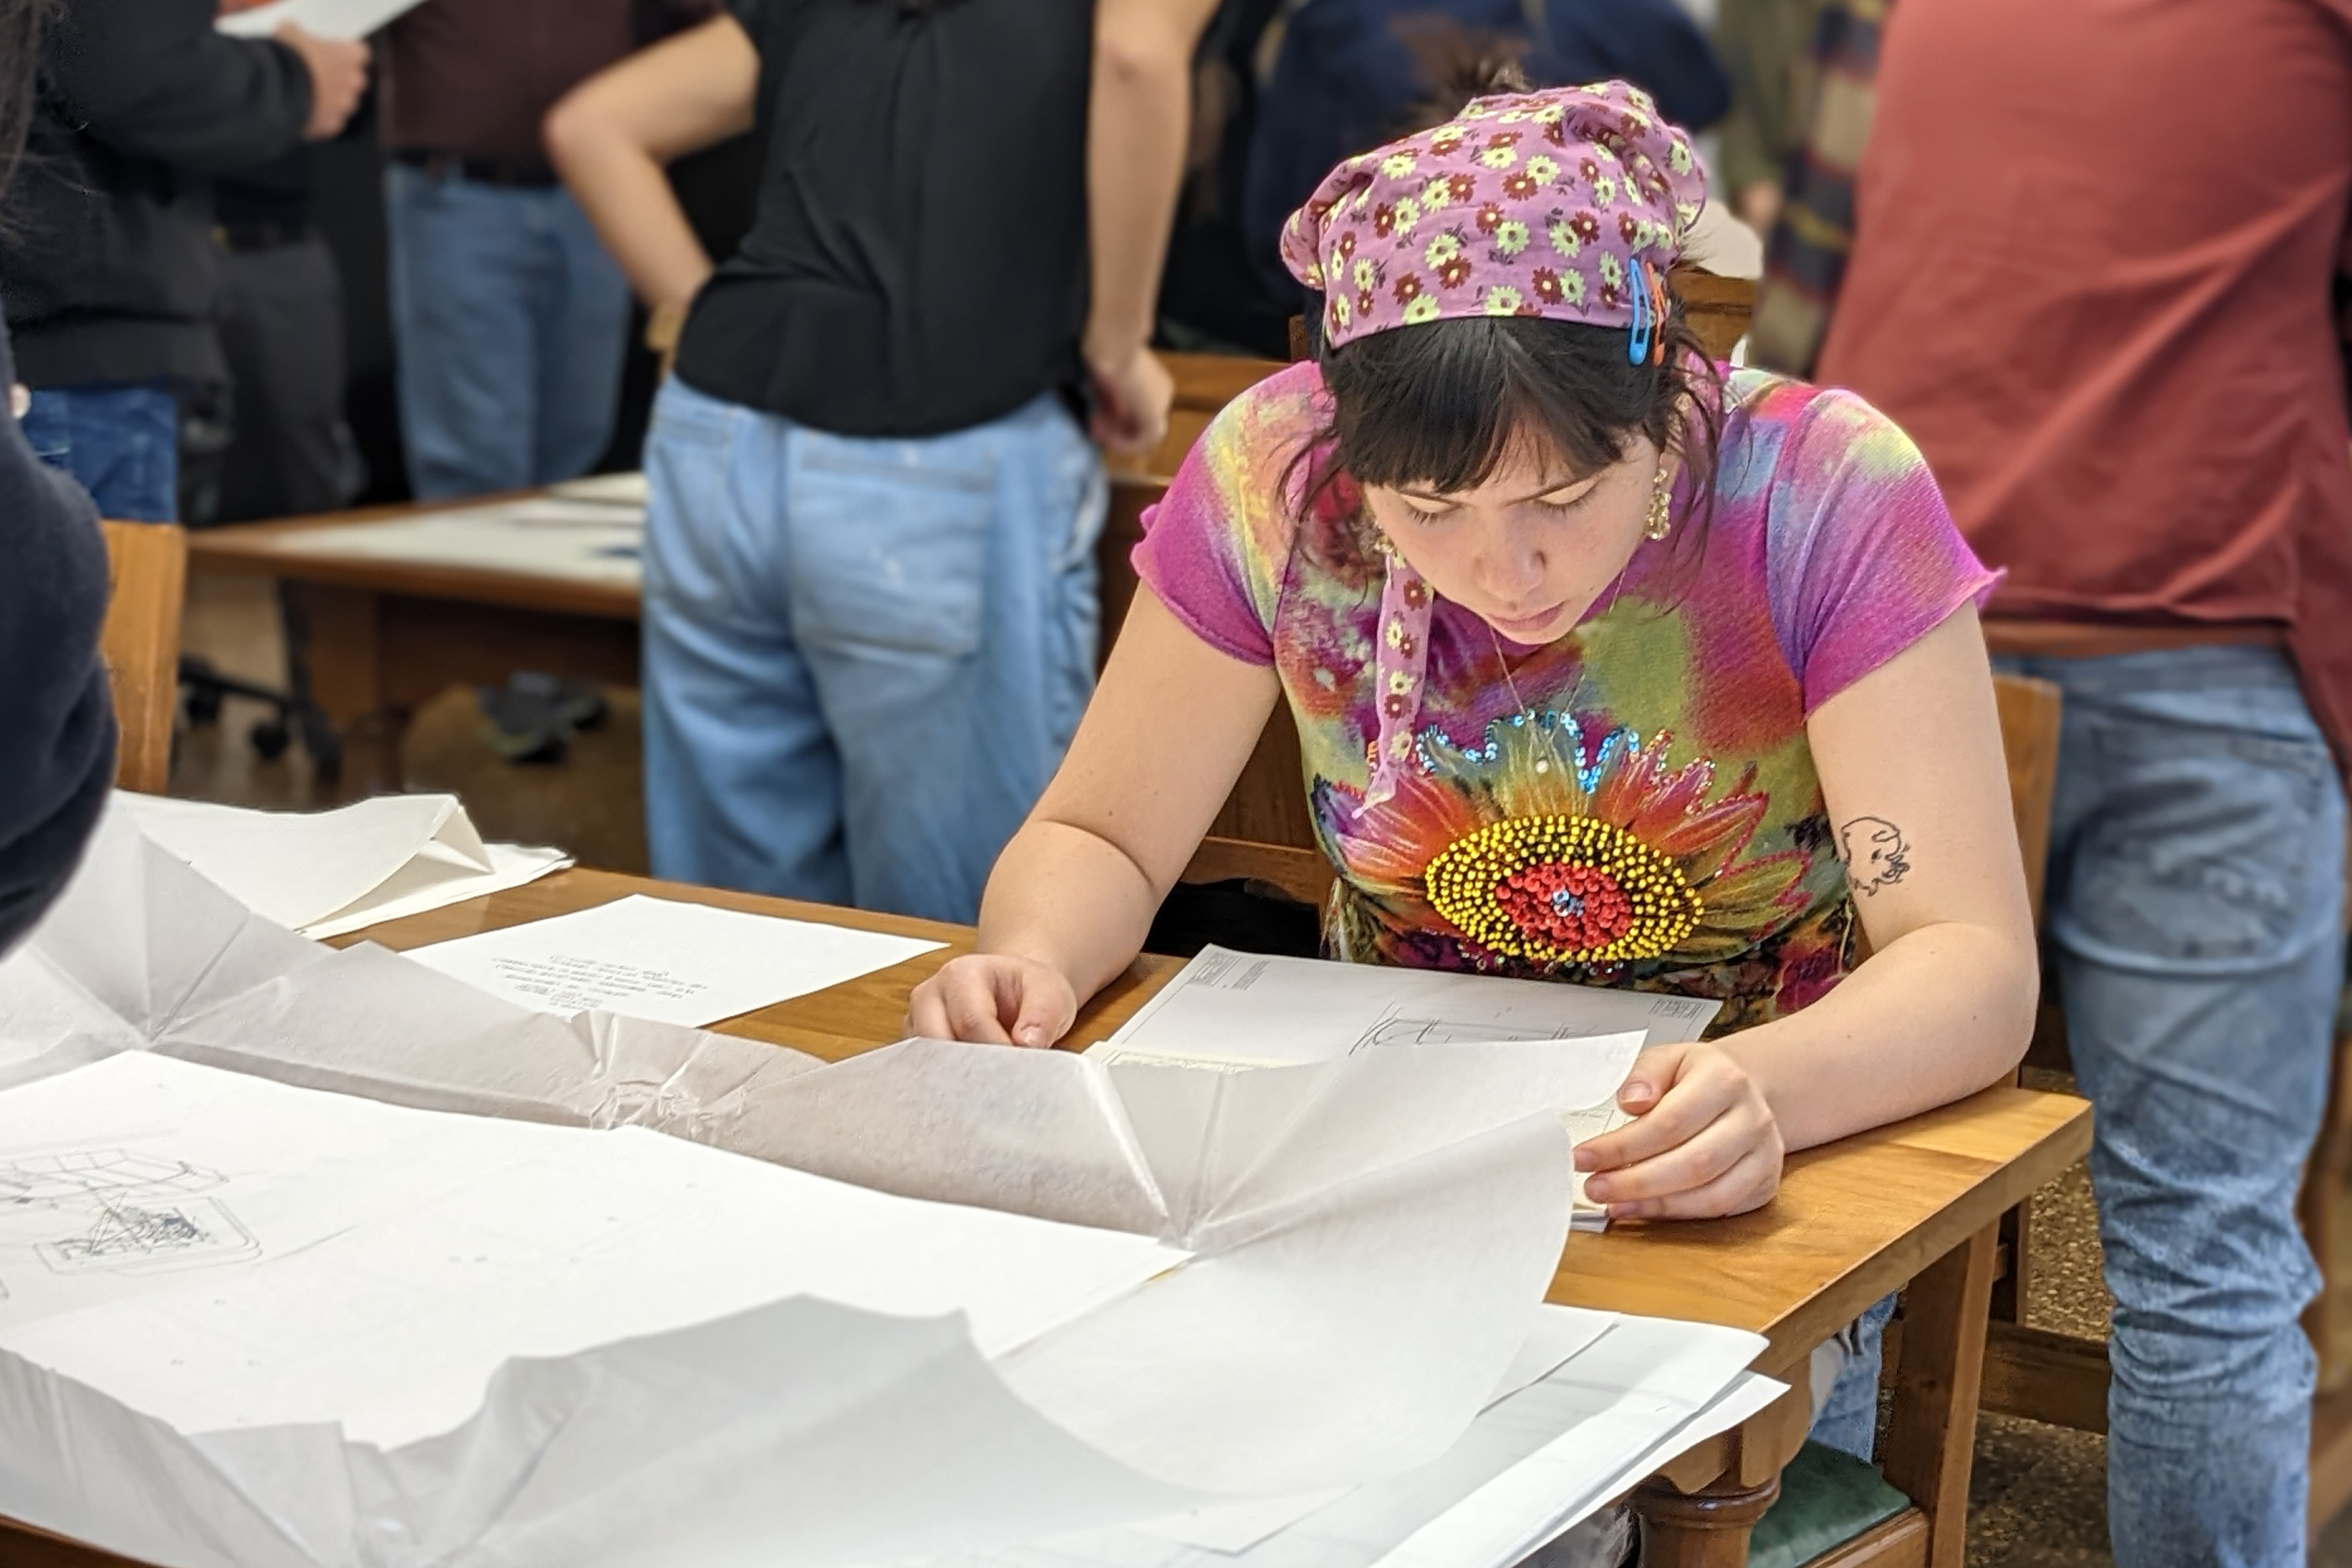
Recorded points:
(1535, 846)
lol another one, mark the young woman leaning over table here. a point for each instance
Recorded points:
(1610, 666)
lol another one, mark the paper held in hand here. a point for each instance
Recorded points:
(1238, 1010)
(328, 18)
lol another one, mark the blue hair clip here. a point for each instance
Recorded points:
(1637, 350)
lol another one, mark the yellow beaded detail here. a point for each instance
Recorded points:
(1557, 889)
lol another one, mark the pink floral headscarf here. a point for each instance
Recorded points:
(1569, 204)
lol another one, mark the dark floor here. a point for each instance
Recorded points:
(2038, 1495)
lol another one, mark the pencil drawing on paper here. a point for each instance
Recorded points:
(118, 1210)
(1395, 1030)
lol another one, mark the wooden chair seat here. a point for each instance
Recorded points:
(1830, 1503)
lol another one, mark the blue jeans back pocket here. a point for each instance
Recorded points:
(889, 552)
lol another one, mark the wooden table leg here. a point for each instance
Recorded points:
(1931, 1442)
(347, 680)
(1705, 1529)
(1697, 1511)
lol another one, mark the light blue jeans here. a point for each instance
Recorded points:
(121, 439)
(510, 325)
(862, 659)
(1848, 1417)
(2195, 905)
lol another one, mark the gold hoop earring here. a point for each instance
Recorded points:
(1662, 502)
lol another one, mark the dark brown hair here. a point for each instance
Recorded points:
(1457, 65)
(1443, 404)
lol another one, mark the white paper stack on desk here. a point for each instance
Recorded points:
(537, 536)
(250, 1322)
(324, 873)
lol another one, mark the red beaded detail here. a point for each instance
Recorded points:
(1574, 908)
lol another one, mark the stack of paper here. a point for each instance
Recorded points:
(249, 1323)
(324, 873)
(587, 541)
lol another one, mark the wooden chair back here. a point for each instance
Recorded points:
(1204, 384)
(1720, 308)
(2029, 714)
(1131, 496)
(148, 563)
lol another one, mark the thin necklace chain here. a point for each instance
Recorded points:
(1583, 668)
(1583, 663)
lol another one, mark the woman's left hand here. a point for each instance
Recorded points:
(1703, 1142)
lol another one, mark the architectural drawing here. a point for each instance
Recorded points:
(118, 1210)
(1396, 1031)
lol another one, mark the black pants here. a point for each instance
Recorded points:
(289, 451)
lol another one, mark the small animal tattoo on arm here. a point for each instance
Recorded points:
(1876, 853)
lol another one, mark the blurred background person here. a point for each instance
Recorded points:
(2092, 277)
(1351, 74)
(57, 712)
(1767, 47)
(871, 610)
(289, 451)
(510, 321)
(1812, 235)
(109, 270)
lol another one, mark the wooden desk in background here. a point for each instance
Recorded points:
(385, 637)
(1913, 1205)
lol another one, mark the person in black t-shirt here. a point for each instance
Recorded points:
(870, 600)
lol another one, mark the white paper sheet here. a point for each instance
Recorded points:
(328, 18)
(1253, 1010)
(581, 540)
(1239, 1010)
(223, 1252)
(628, 490)
(1558, 1334)
(1634, 1392)
(324, 873)
(1372, 1233)
(660, 959)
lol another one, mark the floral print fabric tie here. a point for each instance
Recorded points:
(1401, 668)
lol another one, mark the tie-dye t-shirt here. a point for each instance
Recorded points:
(1636, 803)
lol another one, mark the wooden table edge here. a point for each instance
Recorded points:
(260, 549)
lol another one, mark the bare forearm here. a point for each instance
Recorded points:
(628, 195)
(1069, 899)
(1940, 1013)
(1136, 127)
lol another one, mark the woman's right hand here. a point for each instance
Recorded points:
(996, 999)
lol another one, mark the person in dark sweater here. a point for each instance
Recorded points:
(57, 714)
(289, 450)
(109, 270)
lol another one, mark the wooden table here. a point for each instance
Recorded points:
(1915, 1203)
(384, 637)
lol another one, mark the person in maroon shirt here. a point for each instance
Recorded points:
(2094, 250)
(509, 321)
